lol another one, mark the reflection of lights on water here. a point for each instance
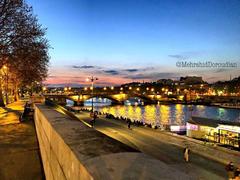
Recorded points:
(164, 111)
(179, 115)
(165, 114)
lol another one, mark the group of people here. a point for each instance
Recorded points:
(233, 172)
(130, 122)
(127, 120)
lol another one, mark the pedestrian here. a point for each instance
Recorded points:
(94, 117)
(237, 174)
(230, 170)
(129, 124)
(186, 154)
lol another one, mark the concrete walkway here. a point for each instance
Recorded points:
(19, 151)
(161, 146)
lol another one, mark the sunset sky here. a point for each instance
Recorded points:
(135, 40)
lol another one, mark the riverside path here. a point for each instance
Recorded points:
(159, 145)
(19, 151)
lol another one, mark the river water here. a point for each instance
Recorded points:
(169, 114)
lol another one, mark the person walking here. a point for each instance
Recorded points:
(237, 174)
(94, 118)
(230, 170)
(186, 154)
(129, 124)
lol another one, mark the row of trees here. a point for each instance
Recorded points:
(23, 48)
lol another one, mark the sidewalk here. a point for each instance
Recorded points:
(19, 151)
(213, 152)
(163, 147)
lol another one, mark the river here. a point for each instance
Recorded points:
(168, 114)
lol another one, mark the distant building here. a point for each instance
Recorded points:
(190, 80)
(168, 82)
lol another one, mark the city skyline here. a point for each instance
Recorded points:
(121, 42)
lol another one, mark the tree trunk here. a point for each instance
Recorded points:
(1, 95)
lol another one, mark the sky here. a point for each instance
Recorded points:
(121, 41)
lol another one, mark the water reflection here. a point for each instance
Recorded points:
(166, 114)
(170, 114)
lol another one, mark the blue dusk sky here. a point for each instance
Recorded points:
(121, 41)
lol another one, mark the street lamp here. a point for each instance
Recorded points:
(5, 68)
(92, 79)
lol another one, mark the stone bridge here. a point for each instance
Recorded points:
(115, 98)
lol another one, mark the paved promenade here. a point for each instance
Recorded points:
(19, 151)
(167, 148)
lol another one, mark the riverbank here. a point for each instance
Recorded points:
(163, 146)
(208, 150)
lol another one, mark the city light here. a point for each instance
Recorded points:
(130, 88)
(159, 96)
(104, 88)
(85, 89)
(147, 88)
(92, 79)
(138, 89)
(4, 67)
(112, 88)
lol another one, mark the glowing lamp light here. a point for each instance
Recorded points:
(44, 88)
(147, 88)
(138, 89)
(130, 88)
(104, 88)
(85, 89)
(158, 96)
(112, 88)
(220, 93)
(121, 88)
(91, 88)
(65, 89)
(152, 89)
(4, 67)
(163, 89)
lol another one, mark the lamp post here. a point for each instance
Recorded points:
(92, 79)
(5, 68)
